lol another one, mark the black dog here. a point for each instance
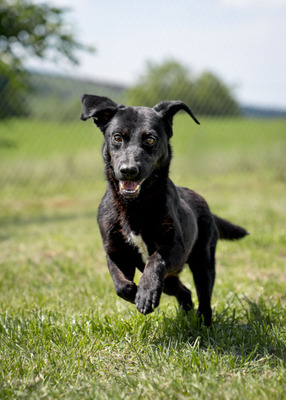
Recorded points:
(147, 222)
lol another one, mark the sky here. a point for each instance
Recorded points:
(242, 41)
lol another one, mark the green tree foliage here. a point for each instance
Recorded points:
(213, 97)
(26, 30)
(206, 95)
(169, 80)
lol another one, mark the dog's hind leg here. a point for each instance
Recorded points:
(202, 265)
(174, 287)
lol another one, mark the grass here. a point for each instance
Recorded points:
(63, 332)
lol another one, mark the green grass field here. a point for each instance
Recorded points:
(64, 334)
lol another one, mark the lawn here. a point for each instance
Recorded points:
(64, 334)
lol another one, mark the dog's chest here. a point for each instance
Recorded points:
(138, 242)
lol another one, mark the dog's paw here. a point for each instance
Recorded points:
(185, 300)
(146, 301)
(126, 290)
(205, 315)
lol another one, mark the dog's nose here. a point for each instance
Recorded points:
(129, 171)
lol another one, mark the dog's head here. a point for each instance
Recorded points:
(136, 146)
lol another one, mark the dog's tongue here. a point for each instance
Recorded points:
(130, 186)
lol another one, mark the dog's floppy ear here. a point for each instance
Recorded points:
(101, 109)
(169, 108)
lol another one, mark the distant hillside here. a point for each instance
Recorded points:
(57, 97)
(66, 87)
(262, 112)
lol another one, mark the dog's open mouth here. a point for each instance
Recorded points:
(129, 189)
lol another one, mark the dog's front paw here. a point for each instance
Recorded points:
(147, 300)
(127, 290)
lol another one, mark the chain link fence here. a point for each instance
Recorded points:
(51, 150)
(46, 151)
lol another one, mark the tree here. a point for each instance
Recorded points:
(26, 30)
(206, 95)
(213, 97)
(169, 80)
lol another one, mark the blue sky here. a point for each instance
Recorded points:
(242, 41)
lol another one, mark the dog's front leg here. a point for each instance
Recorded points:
(151, 284)
(124, 286)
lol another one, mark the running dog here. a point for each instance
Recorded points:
(147, 222)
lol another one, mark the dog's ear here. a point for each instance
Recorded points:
(101, 109)
(168, 109)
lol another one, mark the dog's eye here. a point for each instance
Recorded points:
(117, 138)
(150, 140)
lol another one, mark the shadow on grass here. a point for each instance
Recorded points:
(46, 219)
(247, 331)
(7, 143)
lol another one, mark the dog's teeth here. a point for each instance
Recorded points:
(129, 188)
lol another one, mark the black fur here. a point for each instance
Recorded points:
(147, 222)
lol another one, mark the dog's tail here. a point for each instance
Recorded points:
(229, 231)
